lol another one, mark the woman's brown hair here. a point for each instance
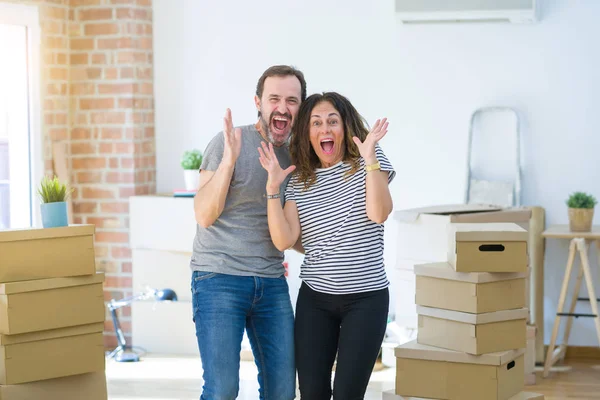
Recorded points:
(303, 155)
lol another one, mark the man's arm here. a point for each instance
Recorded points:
(210, 198)
(214, 185)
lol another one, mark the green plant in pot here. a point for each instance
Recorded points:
(54, 195)
(581, 211)
(190, 162)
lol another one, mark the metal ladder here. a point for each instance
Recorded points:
(480, 190)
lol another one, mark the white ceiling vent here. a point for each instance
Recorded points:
(457, 11)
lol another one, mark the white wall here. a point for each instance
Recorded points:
(426, 79)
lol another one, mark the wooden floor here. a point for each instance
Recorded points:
(180, 378)
(575, 380)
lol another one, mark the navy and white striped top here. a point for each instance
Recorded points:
(343, 247)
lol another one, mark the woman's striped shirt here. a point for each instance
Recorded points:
(343, 247)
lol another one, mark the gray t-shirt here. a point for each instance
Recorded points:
(239, 243)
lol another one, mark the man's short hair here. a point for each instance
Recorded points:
(282, 71)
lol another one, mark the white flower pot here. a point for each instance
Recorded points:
(192, 179)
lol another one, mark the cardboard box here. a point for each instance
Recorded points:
(27, 254)
(91, 386)
(430, 372)
(492, 247)
(390, 395)
(530, 350)
(43, 304)
(56, 353)
(473, 333)
(439, 286)
(423, 232)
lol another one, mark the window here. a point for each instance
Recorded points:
(20, 143)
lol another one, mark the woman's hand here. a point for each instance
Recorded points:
(367, 148)
(269, 162)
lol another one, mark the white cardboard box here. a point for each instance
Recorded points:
(161, 269)
(164, 327)
(406, 311)
(162, 223)
(423, 232)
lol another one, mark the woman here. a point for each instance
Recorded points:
(336, 202)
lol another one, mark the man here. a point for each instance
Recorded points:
(238, 277)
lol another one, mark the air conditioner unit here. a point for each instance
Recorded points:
(449, 11)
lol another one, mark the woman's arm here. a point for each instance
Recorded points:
(284, 223)
(379, 199)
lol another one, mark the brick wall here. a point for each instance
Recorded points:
(112, 128)
(97, 95)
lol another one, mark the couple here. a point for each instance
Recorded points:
(327, 196)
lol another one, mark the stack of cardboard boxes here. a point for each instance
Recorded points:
(472, 320)
(423, 238)
(51, 315)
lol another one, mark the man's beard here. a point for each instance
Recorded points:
(267, 131)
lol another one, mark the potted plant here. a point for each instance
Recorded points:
(54, 195)
(190, 162)
(581, 211)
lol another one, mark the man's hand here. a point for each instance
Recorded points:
(232, 140)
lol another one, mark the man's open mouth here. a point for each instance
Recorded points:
(280, 124)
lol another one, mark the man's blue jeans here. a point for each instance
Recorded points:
(226, 304)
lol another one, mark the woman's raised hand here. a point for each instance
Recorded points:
(269, 162)
(367, 148)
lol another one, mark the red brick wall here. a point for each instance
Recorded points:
(97, 95)
(112, 128)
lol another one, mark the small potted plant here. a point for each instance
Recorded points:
(190, 162)
(581, 211)
(54, 195)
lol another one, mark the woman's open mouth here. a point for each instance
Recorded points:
(327, 146)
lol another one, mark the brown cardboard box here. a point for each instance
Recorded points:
(43, 304)
(530, 356)
(491, 247)
(90, 386)
(430, 372)
(439, 286)
(472, 333)
(27, 254)
(423, 232)
(51, 354)
(390, 395)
